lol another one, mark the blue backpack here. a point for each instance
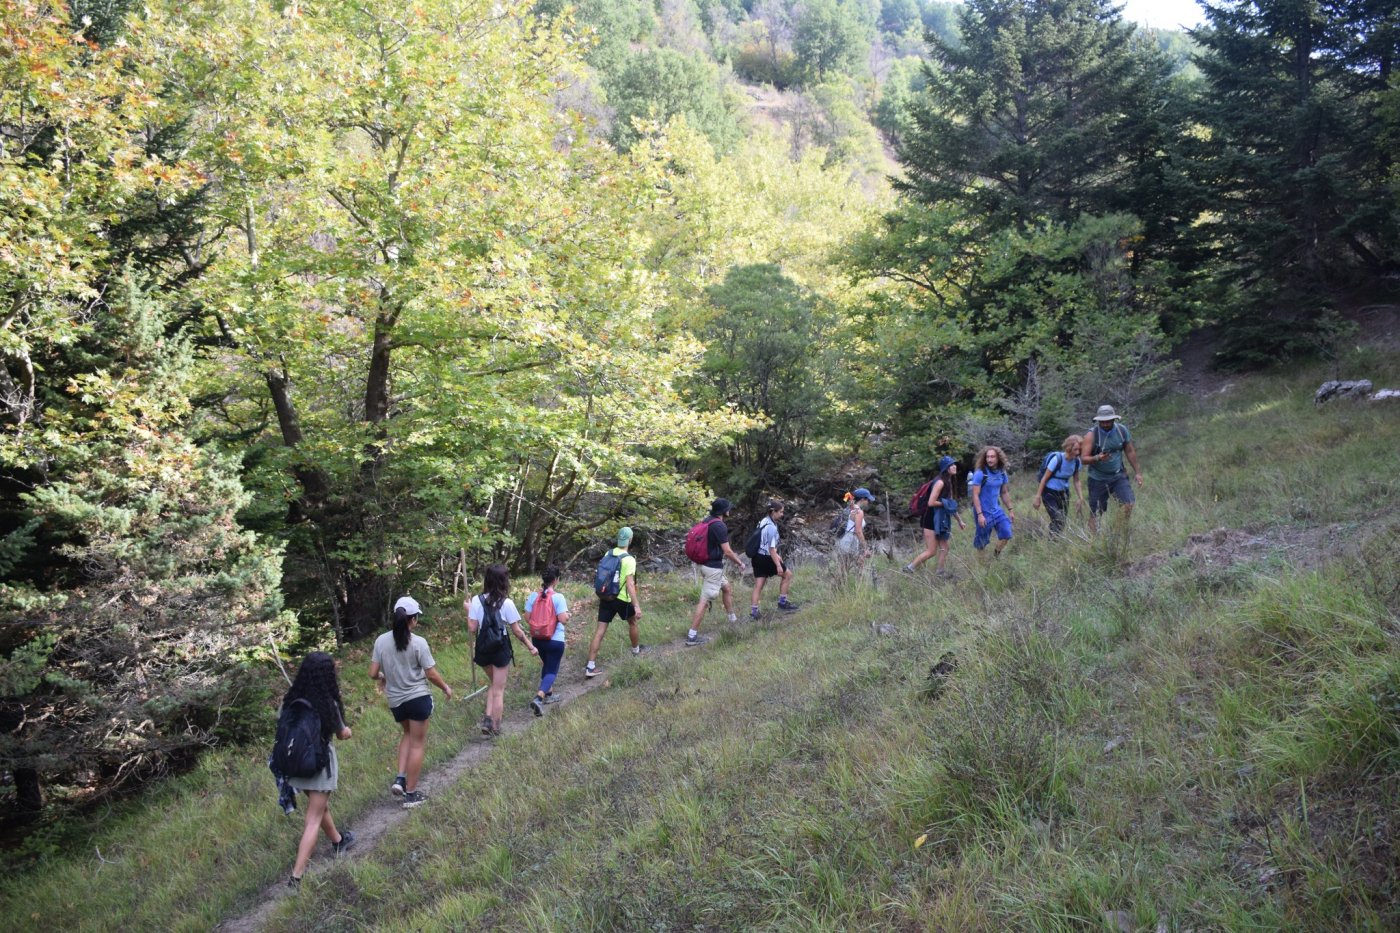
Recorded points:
(1050, 458)
(607, 581)
(299, 750)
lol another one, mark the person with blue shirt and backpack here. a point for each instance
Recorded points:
(987, 489)
(1057, 471)
(546, 612)
(1103, 450)
(616, 585)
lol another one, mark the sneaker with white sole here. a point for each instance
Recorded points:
(397, 788)
(414, 798)
(697, 640)
(592, 671)
(537, 705)
(640, 650)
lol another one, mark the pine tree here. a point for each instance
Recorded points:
(129, 596)
(1297, 163)
(1039, 112)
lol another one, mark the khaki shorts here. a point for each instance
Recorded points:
(714, 581)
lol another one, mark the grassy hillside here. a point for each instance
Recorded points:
(1174, 730)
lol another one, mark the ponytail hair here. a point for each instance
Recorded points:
(773, 505)
(401, 620)
(548, 577)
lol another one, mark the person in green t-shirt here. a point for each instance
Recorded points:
(1102, 451)
(624, 604)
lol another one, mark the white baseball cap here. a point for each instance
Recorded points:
(409, 605)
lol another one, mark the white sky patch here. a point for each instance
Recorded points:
(1166, 14)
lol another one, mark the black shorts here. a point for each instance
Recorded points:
(501, 657)
(608, 609)
(417, 709)
(764, 566)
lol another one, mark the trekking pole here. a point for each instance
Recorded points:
(889, 529)
(277, 656)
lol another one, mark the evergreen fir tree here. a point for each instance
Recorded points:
(1297, 162)
(1044, 110)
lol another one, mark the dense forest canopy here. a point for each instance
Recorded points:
(309, 303)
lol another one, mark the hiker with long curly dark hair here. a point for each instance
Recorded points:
(405, 665)
(493, 618)
(316, 683)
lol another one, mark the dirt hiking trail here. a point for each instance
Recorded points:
(378, 819)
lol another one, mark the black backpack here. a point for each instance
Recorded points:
(491, 634)
(300, 750)
(751, 545)
(838, 524)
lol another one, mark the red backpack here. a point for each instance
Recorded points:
(697, 541)
(919, 504)
(543, 619)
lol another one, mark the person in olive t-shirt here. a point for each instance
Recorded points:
(1102, 451)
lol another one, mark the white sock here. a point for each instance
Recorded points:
(590, 665)
(733, 617)
(691, 634)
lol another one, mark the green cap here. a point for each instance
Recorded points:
(624, 537)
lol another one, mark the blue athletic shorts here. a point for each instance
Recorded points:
(1000, 523)
(1120, 487)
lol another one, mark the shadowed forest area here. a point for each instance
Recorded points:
(309, 305)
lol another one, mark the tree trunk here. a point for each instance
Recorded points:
(366, 604)
(29, 796)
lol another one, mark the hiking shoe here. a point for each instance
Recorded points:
(537, 704)
(697, 640)
(549, 698)
(787, 607)
(414, 798)
(640, 650)
(908, 568)
(592, 671)
(754, 613)
(347, 839)
(397, 788)
(294, 883)
(486, 725)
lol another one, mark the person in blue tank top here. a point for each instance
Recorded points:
(987, 489)
(1061, 469)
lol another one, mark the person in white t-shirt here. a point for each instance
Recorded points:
(493, 619)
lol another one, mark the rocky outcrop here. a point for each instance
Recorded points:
(1347, 388)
